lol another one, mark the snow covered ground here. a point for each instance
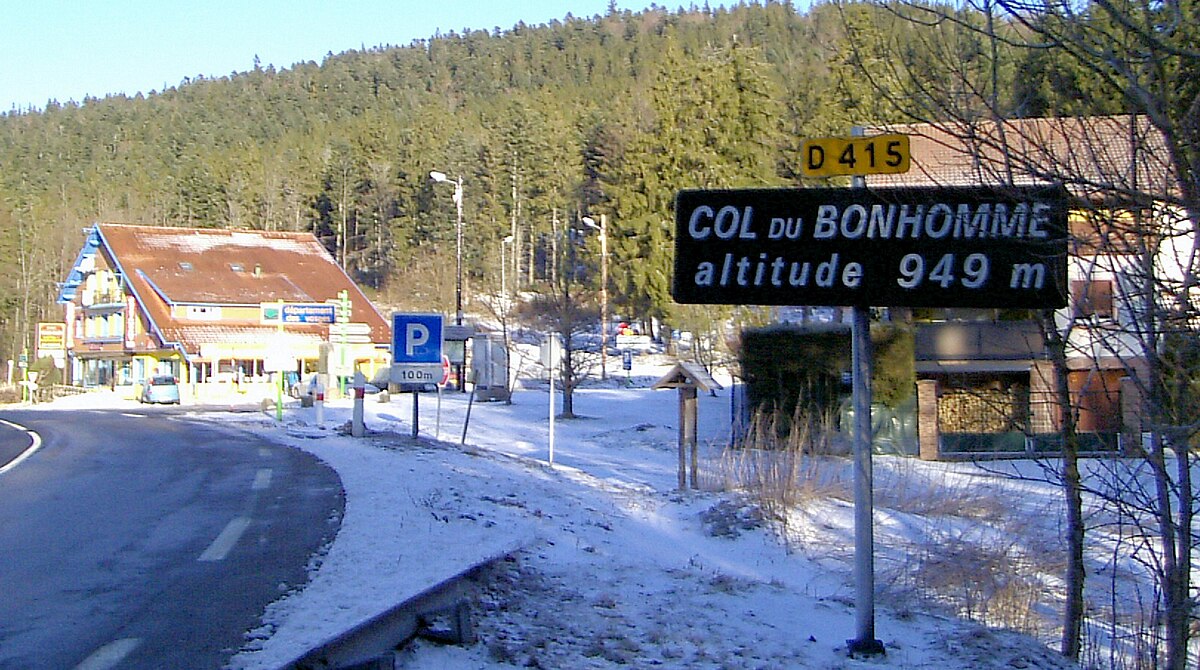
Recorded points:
(611, 565)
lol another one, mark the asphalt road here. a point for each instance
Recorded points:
(144, 540)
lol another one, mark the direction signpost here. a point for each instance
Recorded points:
(350, 333)
(862, 247)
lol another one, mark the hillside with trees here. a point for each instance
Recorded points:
(609, 116)
(544, 124)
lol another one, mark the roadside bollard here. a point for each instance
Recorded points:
(360, 384)
(320, 404)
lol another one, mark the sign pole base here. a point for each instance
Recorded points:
(865, 648)
(416, 417)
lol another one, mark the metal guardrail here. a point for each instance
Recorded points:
(370, 643)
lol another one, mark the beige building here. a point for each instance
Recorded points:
(222, 310)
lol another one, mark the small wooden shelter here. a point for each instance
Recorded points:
(688, 378)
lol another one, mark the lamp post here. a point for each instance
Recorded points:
(505, 306)
(603, 228)
(458, 204)
(503, 271)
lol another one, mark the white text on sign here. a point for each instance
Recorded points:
(933, 247)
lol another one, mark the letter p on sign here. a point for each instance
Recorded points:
(416, 338)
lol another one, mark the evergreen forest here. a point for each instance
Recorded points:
(544, 124)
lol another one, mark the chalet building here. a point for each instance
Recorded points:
(985, 381)
(219, 309)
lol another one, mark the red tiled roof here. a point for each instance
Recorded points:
(181, 266)
(1094, 156)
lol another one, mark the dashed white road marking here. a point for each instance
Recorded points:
(262, 479)
(110, 654)
(225, 541)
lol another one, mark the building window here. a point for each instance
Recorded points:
(1093, 298)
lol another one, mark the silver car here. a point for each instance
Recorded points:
(161, 389)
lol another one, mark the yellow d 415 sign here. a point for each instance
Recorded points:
(834, 156)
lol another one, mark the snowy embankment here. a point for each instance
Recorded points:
(616, 567)
(611, 566)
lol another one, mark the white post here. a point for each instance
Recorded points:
(357, 429)
(458, 236)
(553, 369)
(319, 403)
(603, 296)
(437, 425)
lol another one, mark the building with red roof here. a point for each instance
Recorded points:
(210, 305)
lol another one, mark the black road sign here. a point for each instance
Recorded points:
(903, 247)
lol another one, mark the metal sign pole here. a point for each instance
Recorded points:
(864, 533)
(865, 643)
(416, 413)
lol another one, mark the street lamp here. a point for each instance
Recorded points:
(458, 203)
(505, 306)
(603, 228)
(503, 270)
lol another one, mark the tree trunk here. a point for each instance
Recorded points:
(1176, 546)
(1179, 607)
(1073, 612)
(568, 381)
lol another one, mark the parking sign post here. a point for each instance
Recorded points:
(416, 354)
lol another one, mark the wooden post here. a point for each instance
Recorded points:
(689, 418)
(687, 378)
(928, 431)
(683, 431)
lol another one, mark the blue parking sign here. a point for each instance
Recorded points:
(416, 338)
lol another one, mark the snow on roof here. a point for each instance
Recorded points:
(167, 267)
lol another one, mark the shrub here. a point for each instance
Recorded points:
(799, 372)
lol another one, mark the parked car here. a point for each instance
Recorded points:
(161, 389)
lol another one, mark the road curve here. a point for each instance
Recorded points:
(145, 540)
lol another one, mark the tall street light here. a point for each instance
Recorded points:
(603, 228)
(458, 204)
(505, 306)
(503, 270)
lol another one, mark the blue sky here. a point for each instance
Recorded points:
(68, 49)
